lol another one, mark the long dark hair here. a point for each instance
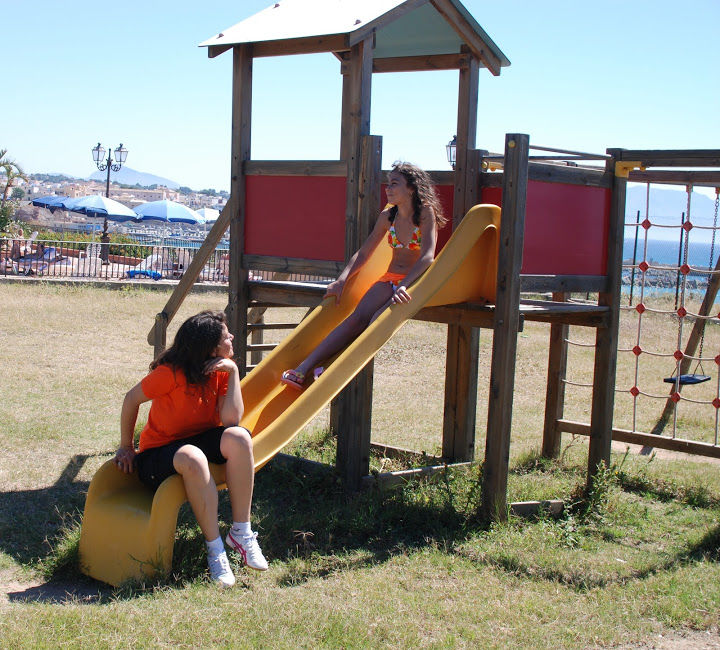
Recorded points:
(194, 343)
(423, 193)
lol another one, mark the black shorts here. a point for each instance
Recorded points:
(154, 465)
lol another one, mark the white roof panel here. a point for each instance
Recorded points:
(302, 18)
(414, 30)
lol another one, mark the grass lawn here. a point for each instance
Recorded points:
(635, 566)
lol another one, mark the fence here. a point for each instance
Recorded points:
(141, 261)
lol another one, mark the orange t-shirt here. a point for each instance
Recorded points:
(179, 410)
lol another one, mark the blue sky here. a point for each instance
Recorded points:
(584, 76)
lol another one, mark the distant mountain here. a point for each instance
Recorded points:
(128, 176)
(667, 206)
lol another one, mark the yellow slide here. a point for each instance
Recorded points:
(129, 532)
(465, 270)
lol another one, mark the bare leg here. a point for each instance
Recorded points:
(350, 328)
(236, 447)
(192, 464)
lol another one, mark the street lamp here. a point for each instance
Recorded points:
(98, 154)
(451, 149)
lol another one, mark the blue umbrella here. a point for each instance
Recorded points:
(168, 212)
(99, 206)
(51, 202)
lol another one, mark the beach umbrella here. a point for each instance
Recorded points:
(168, 212)
(97, 205)
(208, 214)
(51, 202)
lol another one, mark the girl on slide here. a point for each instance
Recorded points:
(410, 227)
(194, 419)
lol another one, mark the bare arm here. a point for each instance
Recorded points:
(230, 405)
(361, 256)
(125, 455)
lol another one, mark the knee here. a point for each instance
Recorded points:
(190, 460)
(235, 441)
(357, 322)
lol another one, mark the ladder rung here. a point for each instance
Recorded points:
(271, 326)
(261, 346)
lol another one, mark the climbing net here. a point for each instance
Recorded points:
(669, 348)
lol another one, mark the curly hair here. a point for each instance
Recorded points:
(194, 343)
(423, 192)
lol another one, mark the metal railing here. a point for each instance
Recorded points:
(144, 261)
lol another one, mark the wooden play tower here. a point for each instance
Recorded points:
(563, 203)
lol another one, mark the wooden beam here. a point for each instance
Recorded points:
(704, 178)
(565, 283)
(556, 174)
(325, 268)
(555, 388)
(646, 439)
(671, 157)
(309, 45)
(240, 152)
(421, 63)
(507, 318)
(389, 479)
(606, 339)
(293, 294)
(296, 168)
(217, 50)
(477, 45)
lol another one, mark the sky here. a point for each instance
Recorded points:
(584, 76)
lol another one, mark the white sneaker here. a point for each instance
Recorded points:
(220, 570)
(249, 549)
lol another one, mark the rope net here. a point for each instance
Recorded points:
(668, 364)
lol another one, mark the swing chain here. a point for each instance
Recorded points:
(710, 268)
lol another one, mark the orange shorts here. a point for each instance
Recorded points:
(393, 278)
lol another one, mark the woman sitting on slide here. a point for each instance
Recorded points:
(410, 227)
(194, 419)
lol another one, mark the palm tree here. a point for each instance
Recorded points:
(13, 171)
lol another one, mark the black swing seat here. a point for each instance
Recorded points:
(684, 380)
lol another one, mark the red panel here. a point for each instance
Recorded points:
(446, 194)
(295, 216)
(566, 228)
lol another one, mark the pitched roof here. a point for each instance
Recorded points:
(401, 28)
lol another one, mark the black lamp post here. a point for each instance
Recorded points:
(451, 149)
(98, 153)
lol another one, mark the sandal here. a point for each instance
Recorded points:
(294, 379)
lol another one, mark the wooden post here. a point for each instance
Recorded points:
(160, 334)
(461, 380)
(606, 338)
(350, 414)
(240, 152)
(463, 341)
(505, 329)
(256, 337)
(466, 134)
(463, 345)
(555, 393)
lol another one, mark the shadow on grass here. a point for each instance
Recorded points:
(33, 522)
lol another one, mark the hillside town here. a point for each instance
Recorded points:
(40, 185)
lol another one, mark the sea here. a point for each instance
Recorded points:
(670, 253)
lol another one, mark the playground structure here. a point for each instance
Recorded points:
(275, 220)
(561, 232)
